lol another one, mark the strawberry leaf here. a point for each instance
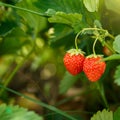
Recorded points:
(117, 75)
(12, 42)
(71, 19)
(116, 44)
(63, 36)
(67, 6)
(116, 115)
(11, 112)
(6, 27)
(67, 82)
(97, 24)
(103, 115)
(35, 22)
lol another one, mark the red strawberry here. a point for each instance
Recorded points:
(93, 67)
(73, 61)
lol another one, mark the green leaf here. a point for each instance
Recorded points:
(36, 23)
(50, 12)
(6, 27)
(71, 19)
(97, 24)
(116, 44)
(67, 82)
(13, 1)
(67, 6)
(117, 75)
(103, 115)
(11, 112)
(91, 5)
(63, 36)
(13, 42)
(116, 115)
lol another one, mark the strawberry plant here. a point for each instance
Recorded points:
(62, 55)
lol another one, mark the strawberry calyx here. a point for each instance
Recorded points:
(75, 52)
(94, 56)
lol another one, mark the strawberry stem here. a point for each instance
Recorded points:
(98, 37)
(94, 46)
(106, 33)
(76, 38)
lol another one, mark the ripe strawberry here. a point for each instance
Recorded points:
(73, 61)
(107, 51)
(93, 67)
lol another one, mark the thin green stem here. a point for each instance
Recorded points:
(23, 9)
(100, 38)
(111, 36)
(52, 108)
(76, 38)
(98, 29)
(94, 46)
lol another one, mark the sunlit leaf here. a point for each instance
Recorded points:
(91, 5)
(103, 115)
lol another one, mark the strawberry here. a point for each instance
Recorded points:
(93, 67)
(73, 61)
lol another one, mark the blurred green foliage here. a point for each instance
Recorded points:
(43, 40)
